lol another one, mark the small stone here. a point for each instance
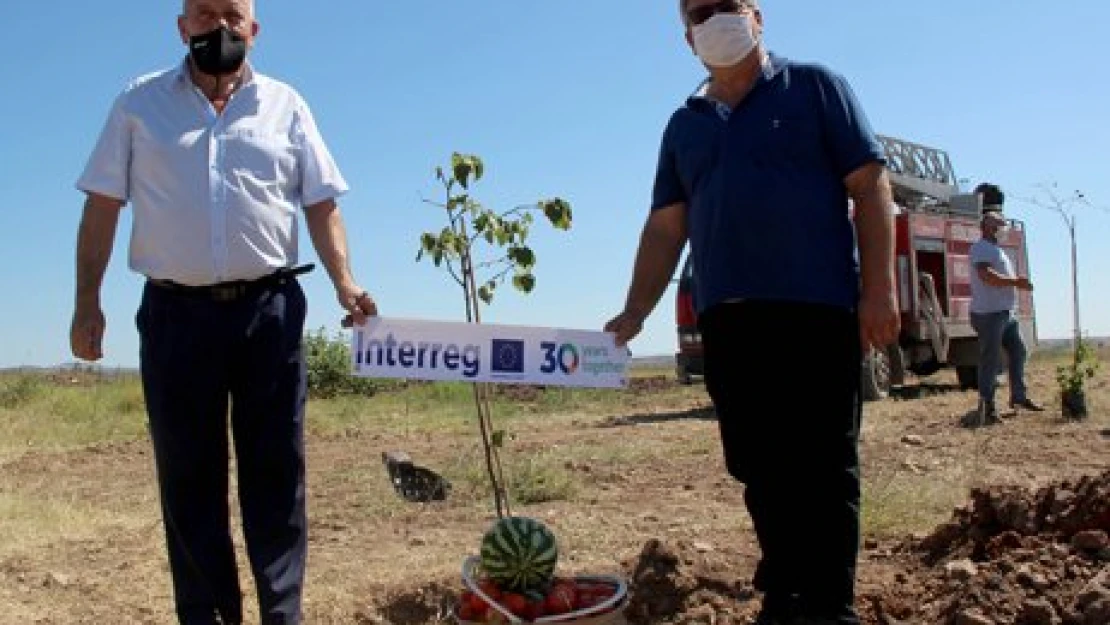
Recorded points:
(913, 467)
(1029, 578)
(703, 547)
(416, 541)
(961, 570)
(970, 617)
(1091, 540)
(703, 613)
(370, 617)
(1091, 596)
(1059, 551)
(55, 580)
(994, 581)
(1102, 579)
(1097, 613)
(1038, 612)
(913, 440)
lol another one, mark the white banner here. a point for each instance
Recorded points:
(483, 352)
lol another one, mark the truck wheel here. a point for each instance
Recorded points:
(898, 366)
(875, 376)
(682, 372)
(926, 368)
(968, 376)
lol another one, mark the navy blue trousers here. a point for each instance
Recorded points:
(199, 357)
(785, 381)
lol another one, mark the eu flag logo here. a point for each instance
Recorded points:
(507, 356)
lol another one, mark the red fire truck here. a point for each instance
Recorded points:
(936, 225)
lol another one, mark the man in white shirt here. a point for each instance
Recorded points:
(217, 162)
(994, 286)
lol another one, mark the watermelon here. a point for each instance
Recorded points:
(519, 553)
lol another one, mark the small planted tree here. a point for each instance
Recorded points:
(481, 249)
(1072, 377)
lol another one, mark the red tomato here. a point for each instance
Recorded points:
(490, 588)
(561, 599)
(466, 612)
(597, 587)
(515, 603)
(534, 610)
(586, 599)
(478, 605)
(604, 590)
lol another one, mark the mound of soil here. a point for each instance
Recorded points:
(686, 583)
(1011, 556)
(433, 603)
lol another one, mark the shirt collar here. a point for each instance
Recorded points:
(773, 65)
(181, 74)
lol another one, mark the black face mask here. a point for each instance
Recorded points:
(219, 52)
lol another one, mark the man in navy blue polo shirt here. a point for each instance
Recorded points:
(757, 171)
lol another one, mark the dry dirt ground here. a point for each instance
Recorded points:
(651, 502)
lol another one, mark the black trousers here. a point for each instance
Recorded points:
(196, 354)
(785, 382)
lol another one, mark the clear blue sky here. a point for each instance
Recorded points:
(560, 98)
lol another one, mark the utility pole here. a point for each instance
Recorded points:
(1065, 207)
(1076, 334)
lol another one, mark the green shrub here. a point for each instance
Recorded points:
(1084, 365)
(539, 480)
(530, 480)
(19, 391)
(329, 367)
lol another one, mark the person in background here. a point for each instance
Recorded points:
(994, 287)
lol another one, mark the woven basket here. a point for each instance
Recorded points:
(608, 612)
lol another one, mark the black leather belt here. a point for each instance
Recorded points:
(234, 289)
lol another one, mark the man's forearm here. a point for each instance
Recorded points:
(95, 236)
(656, 259)
(325, 226)
(993, 277)
(875, 232)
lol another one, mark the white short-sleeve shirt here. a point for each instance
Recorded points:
(216, 197)
(985, 298)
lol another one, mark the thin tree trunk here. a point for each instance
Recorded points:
(481, 395)
(1078, 333)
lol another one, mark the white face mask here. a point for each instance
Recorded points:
(724, 39)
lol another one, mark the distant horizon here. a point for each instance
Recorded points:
(1052, 342)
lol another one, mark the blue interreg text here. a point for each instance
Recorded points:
(422, 355)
